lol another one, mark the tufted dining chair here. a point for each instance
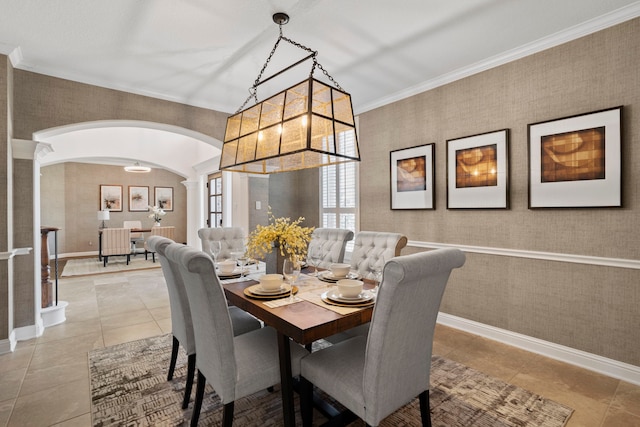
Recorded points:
(331, 243)
(234, 366)
(181, 320)
(369, 246)
(374, 375)
(169, 232)
(227, 236)
(116, 241)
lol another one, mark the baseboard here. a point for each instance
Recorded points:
(592, 362)
(8, 345)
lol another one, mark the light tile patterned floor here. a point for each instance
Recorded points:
(45, 382)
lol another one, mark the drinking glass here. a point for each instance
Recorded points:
(215, 248)
(239, 253)
(291, 271)
(313, 258)
(375, 267)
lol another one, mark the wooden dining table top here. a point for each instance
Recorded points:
(303, 321)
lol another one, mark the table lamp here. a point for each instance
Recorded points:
(103, 215)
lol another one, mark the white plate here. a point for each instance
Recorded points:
(364, 296)
(258, 290)
(329, 276)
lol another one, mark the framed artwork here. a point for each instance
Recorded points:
(478, 171)
(413, 177)
(575, 162)
(111, 197)
(164, 198)
(138, 199)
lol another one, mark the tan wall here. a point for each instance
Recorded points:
(43, 102)
(70, 200)
(590, 308)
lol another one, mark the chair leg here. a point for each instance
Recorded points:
(199, 395)
(227, 415)
(174, 357)
(153, 255)
(191, 369)
(128, 258)
(425, 411)
(104, 260)
(145, 255)
(306, 402)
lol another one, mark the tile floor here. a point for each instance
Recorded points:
(45, 382)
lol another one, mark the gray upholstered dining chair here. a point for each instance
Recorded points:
(227, 236)
(374, 375)
(181, 320)
(234, 366)
(330, 243)
(369, 246)
(116, 241)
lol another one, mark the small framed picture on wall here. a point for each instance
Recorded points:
(138, 198)
(111, 198)
(575, 162)
(164, 198)
(478, 171)
(412, 177)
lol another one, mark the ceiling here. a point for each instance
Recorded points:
(208, 53)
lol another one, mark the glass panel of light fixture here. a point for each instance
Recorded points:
(233, 127)
(247, 148)
(269, 142)
(250, 118)
(296, 100)
(272, 110)
(346, 136)
(342, 109)
(229, 150)
(321, 99)
(294, 135)
(322, 134)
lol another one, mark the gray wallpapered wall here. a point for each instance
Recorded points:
(590, 308)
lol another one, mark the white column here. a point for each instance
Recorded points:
(195, 211)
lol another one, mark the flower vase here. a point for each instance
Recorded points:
(275, 261)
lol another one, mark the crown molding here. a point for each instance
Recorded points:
(592, 26)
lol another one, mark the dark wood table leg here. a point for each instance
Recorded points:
(286, 380)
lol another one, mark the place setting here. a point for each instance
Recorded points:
(349, 293)
(338, 272)
(271, 286)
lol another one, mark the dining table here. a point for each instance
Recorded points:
(304, 321)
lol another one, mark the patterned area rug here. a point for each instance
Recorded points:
(129, 387)
(87, 266)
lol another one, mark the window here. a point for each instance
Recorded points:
(215, 200)
(339, 193)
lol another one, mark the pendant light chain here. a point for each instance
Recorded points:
(253, 91)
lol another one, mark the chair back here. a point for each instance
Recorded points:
(331, 243)
(369, 246)
(133, 224)
(399, 344)
(212, 326)
(168, 232)
(116, 241)
(227, 236)
(181, 323)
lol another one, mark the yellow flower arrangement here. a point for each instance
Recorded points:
(291, 238)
